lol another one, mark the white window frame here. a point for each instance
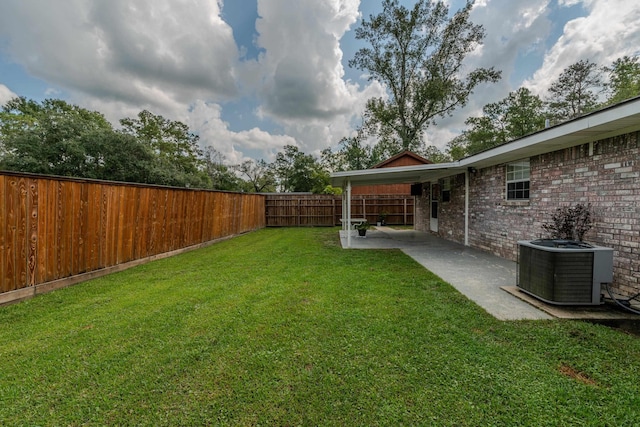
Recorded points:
(446, 188)
(518, 175)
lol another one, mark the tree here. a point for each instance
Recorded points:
(222, 177)
(298, 172)
(574, 93)
(259, 176)
(53, 137)
(624, 79)
(488, 130)
(525, 113)
(353, 154)
(116, 156)
(515, 116)
(179, 158)
(457, 148)
(435, 155)
(418, 55)
(384, 149)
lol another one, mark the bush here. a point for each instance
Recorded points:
(570, 223)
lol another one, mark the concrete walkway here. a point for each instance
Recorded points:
(474, 273)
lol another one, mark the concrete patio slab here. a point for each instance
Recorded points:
(486, 279)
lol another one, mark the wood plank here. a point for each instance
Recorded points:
(51, 230)
(163, 226)
(129, 195)
(122, 223)
(153, 242)
(112, 209)
(84, 250)
(94, 196)
(104, 225)
(42, 246)
(168, 228)
(66, 208)
(142, 224)
(78, 222)
(206, 217)
(22, 235)
(32, 254)
(4, 224)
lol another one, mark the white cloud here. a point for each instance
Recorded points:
(6, 94)
(513, 28)
(178, 58)
(214, 132)
(610, 31)
(301, 78)
(152, 51)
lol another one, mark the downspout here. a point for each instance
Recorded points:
(466, 207)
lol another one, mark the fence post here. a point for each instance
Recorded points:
(404, 200)
(333, 211)
(364, 207)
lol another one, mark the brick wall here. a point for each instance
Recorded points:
(608, 177)
(605, 174)
(421, 221)
(451, 213)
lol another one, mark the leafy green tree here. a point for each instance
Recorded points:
(435, 155)
(179, 159)
(458, 147)
(352, 154)
(624, 79)
(50, 138)
(575, 92)
(418, 54)
(298, 172)
(515, 116)
(525, 113)
(488, 130)
(258, 175)
(116, 156)
(222, 176)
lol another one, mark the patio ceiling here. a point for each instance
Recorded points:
(615, 120)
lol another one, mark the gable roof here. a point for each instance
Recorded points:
(407, 154)
(617, 119)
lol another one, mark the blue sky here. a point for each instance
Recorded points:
(250, 76)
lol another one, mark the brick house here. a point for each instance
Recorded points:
(493, 199)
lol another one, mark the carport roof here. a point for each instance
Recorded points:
(610, 121)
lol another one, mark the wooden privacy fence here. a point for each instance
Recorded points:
(52, 229)
(301, 209)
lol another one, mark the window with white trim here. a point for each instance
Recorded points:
(518, 180)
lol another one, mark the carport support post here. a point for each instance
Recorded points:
(466, 207)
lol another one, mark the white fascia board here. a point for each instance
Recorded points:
(395, 175)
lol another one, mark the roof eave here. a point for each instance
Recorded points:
(611, 121)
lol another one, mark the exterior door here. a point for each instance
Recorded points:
(434, 208)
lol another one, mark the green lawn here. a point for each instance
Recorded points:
(283, 327)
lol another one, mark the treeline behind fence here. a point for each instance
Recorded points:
(56, 231)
